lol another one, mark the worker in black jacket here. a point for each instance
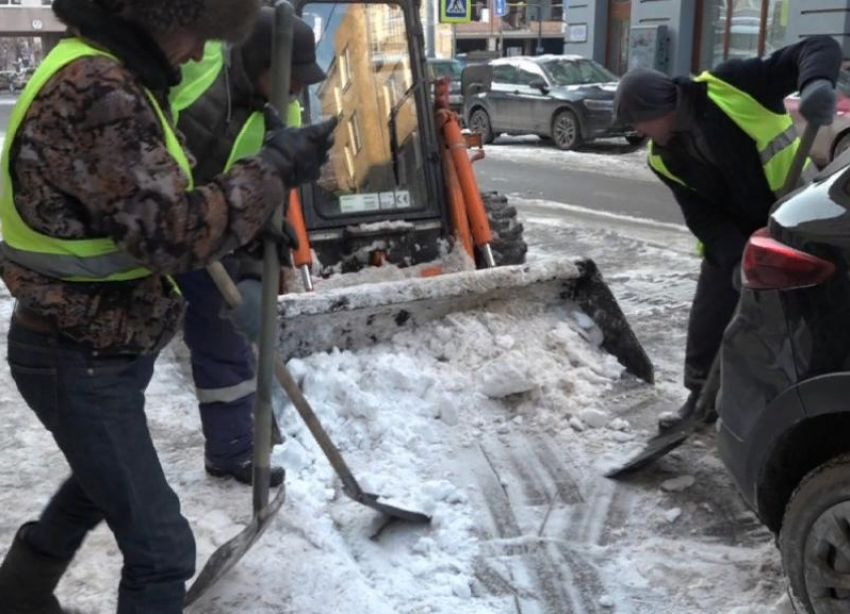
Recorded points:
(723, 143)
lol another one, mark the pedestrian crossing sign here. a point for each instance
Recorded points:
(455, 11)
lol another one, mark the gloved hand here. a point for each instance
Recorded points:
(284, 238)
(817, 102)
(297, 153)
(246, 318)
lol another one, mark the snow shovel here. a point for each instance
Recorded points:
(232, 552)
(350, 485)
(662, 444)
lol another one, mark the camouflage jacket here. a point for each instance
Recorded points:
(90, 161)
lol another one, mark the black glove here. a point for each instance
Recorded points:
(817, 102)
(296, 153)
(285, 239)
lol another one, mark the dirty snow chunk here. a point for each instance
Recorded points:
(583, 320)
(577, 424)
(443, 490)
(618, 424)
(621, 436)
(672, 515)
(505, 375)
(461, 589)
(606, 602)
(679, 484)
(594, 418)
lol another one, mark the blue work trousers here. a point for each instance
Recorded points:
(223, 370)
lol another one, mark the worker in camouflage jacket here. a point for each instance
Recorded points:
(216, 102)
(98, 208)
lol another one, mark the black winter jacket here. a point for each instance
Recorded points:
(729, 197)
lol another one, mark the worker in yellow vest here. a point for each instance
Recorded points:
(723, 143)
(98, 208)
(220, 102)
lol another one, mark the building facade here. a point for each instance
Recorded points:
(688, 36)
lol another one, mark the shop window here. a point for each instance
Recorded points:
(732, 29)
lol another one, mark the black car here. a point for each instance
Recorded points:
(567, 98)
(784, 404)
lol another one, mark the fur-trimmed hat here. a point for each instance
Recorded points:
(229, 20)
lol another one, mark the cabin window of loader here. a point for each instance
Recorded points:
(376, 163)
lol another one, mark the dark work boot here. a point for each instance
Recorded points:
(28, 579)
(243, 472)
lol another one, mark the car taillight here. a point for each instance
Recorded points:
(771, 265)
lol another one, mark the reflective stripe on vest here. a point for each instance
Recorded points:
(86, 260)
(250, 138)
(197, 78)
(773, 133)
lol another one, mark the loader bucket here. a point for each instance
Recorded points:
(354, 317)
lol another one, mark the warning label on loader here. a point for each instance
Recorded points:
(378, 201)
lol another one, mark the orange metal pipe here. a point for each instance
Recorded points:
(457, 205)
(295, 216)
(475, 211)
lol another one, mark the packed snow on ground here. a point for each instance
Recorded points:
(499, 425)
(605, 156)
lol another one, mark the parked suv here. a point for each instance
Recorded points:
(784, 404)
(566, 98)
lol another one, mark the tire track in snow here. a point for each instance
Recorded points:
(523, 482)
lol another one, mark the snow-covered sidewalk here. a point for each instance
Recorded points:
(498, 424)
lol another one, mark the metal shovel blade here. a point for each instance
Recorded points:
(374, 501)
(223, 559)
(655, 448)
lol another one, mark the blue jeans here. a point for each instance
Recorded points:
(223, 370)
(94, 407)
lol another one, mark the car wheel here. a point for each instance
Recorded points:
(841, 146)
(566, 132)
(815, 540)
(479, 122)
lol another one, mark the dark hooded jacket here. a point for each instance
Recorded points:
(728, 197)
(90, 161)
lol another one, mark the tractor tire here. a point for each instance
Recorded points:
(509, 246)
(814, 540)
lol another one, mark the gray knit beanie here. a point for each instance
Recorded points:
(229, 20)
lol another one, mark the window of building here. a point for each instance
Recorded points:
(729, 29)
(355, 137)
(345, 68)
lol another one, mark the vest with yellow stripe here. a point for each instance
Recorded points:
(773, 133)
(198, 77)
(83, 260)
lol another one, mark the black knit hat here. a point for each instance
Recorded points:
(229, 20)
(644, 94)
(257, 50)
